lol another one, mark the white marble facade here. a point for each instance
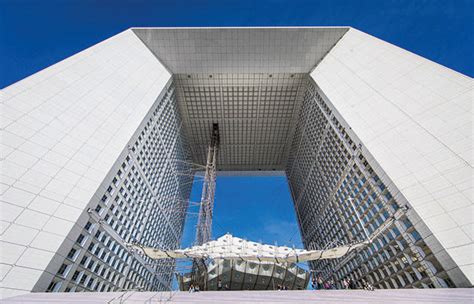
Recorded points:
(415, 117)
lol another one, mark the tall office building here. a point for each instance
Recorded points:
(96, 152)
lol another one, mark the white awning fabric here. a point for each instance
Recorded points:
(233, 248)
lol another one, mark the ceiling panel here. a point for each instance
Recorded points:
(240, 50)
(248, 80)
(256, 114)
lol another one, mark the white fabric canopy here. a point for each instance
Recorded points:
(233, 248)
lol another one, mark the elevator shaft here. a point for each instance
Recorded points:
(204, 225)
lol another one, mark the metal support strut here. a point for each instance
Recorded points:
(204, 225)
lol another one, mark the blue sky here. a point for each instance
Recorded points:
(36, 34)
(258, 208)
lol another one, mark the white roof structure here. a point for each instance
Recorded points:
(248, 80)
(233, 248)
(249, 275)
(237, 50)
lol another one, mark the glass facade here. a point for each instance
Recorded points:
(334, 188)
(144, 201)
(336, 191)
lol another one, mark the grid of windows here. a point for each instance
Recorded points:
(145, 201)
(203, 102)
(332, 183)
(256, 115)
(240, 102)
(333, 186)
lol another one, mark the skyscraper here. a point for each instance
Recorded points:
(97, 151)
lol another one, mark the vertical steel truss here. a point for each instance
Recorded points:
(204, 225)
